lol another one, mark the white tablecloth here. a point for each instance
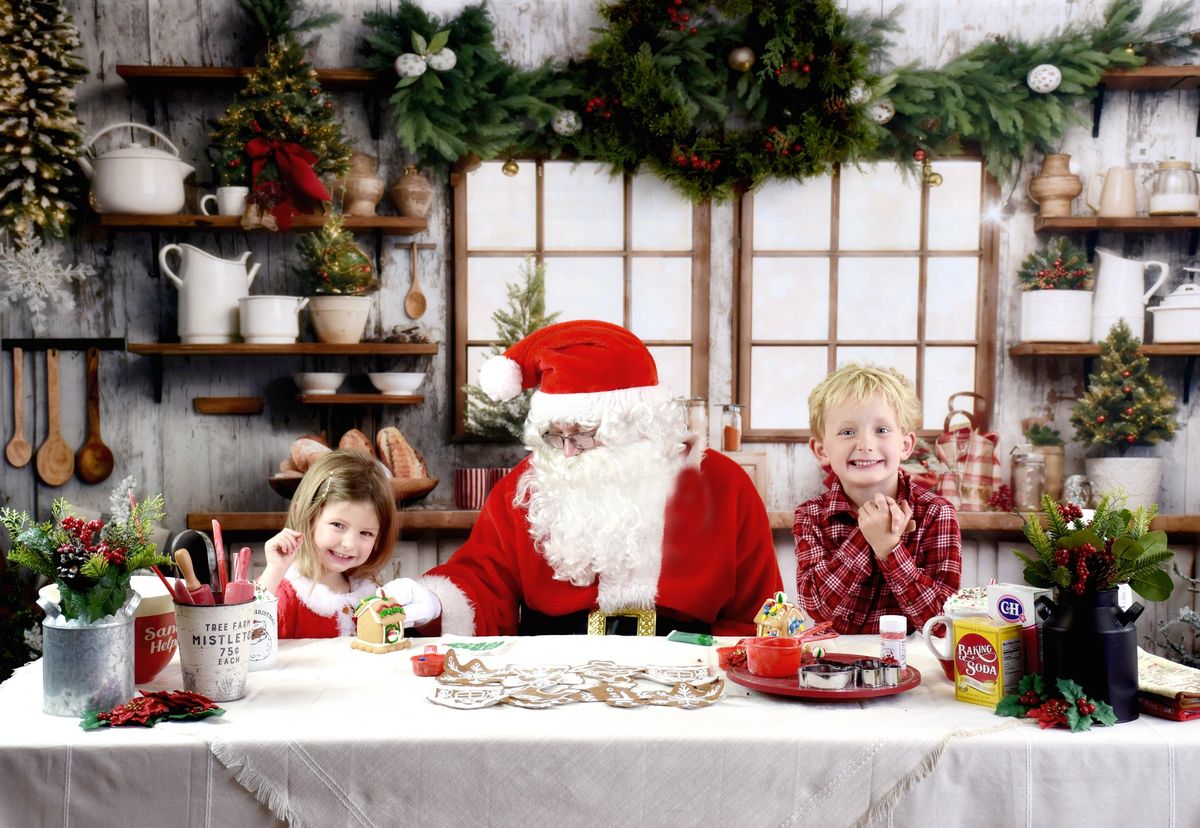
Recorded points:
(341, 737)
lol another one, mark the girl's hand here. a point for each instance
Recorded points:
(280, 552)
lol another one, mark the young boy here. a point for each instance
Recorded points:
(874, 544)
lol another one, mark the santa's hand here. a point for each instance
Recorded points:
(420, 605)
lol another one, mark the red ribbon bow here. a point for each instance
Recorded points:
(295, 166)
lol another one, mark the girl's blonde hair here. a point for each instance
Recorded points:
(858, 381)
(337, 477)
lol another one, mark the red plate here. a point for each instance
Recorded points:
(790, 686)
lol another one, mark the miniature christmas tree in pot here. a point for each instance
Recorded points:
(1125, 405)
(1056, 294)
(338, 276)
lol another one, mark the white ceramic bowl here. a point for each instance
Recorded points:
(395, 382)
(319, 382)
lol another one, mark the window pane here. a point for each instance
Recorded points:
(661, 217)
(791, 298)
(501, 211)
(880, 209)
(947, 371)
(951, 289)
(903, 360)
(586, 288)
(674, 368)
(954, 207)
(877, 299)
(805, 208)
(585, 207)
(661, 298)
(475, 357)
(781, 379)
(487, 281)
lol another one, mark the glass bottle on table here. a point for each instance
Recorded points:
(731, 428)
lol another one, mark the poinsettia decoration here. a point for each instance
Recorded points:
(1068, 707)
(153, 707)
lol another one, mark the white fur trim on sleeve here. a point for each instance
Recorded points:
(458, 616)
(500, 378)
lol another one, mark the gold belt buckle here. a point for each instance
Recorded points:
(647, 620)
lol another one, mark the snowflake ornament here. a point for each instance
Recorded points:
(35, 276)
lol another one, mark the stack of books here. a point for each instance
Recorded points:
(1167, 689)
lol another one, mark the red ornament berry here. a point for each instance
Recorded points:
(806, 68)
(795, 64)
(1126, 374)
(1130, 439)
(1100, 420)
(693, 30)
(779, 71)
(1129, 412)
(1126, 390)
(919, 155)
(772, 130)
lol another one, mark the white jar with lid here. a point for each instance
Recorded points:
(1177, 317)
(893, 639)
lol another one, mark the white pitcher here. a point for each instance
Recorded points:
(1121, 294)
(209, 289)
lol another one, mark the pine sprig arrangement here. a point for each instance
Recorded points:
(1125, 403)
(1060, 265)
(525, 314)
(276, 19)
(332, 264)
(40, 136)
(1114, 547)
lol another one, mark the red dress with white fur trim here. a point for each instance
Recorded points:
(311, 610)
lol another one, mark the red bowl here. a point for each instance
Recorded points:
(154, 644)
(428, 664)
(773, 657)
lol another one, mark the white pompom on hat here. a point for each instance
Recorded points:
(581, 369)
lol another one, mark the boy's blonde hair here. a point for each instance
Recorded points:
(858, 381)
(337, 477)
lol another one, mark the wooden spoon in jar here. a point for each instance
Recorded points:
(94, 460)
(414, 302)
(18, 451)
(55, 460)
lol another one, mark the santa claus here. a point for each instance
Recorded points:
(615, 518)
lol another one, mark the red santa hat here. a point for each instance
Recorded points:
(581, 369)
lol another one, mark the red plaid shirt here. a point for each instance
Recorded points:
(839, 579)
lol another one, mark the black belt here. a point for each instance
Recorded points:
(576, 623)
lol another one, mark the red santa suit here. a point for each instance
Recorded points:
(312, 610)
(717, 562)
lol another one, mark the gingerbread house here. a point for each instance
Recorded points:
(779, 618)
(380, 623)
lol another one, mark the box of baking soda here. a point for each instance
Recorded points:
(987, 660)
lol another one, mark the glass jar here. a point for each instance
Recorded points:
(697, 419)
(1078, 490)
(731, 428)
(1028, 477)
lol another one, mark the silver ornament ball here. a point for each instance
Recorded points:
(882, 111)
(442, 60)
(410, 65)
(859, 93)
(566, 122)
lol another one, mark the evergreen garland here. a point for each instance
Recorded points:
(1125, 403)
(331, 263)
(526, 313)
(40, 135)
(276, 19)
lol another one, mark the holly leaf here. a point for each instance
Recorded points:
(1061, 576)
(1104, 714)
(1011, 706)
(1070, 691)
(439, 41)
(1032, 681)
(1077, 721)
(91, 722)
(74, 605)
(420, 46)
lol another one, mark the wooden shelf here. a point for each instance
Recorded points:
(362, 399)
(134, 222)
(1130, 224)
(1088, 349)
(234, 77)
(1146, 78)
(462, 520)
(297, 349)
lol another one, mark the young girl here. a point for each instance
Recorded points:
(340, 532)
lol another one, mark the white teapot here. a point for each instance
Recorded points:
(136, 178)
(209, 290)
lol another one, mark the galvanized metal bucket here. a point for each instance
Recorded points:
(87, 668)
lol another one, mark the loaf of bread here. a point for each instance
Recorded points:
(306, 450)
(355, 440)
(288, 466)
(398, 455)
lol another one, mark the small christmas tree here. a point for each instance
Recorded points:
(273, 19)
(526, 313)
(1125, 403)
(333, 264)
(280, 136)
(40, 136)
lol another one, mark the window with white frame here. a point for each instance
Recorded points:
(866, 265)
(627, 250)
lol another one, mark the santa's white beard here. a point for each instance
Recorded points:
(601, 513)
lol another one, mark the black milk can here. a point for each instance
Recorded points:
(1092, 641)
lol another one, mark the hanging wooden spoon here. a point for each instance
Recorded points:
(414, 302)
(94, 460)
(55, 460)
(18, 451)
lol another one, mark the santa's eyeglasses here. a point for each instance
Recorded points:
(582, 441)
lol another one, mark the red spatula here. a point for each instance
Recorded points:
(200, 593)
(239, 590)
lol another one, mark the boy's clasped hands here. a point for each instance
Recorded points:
(883, 522)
